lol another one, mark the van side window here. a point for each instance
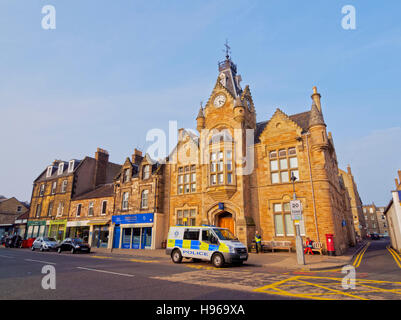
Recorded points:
(206, 235)
(191, 234)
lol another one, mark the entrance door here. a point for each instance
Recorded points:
(146, 238)
(116, 239)
(226, 220)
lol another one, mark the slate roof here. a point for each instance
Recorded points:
(102, 191)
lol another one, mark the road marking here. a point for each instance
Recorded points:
(46, 262)
(9, 257)
(358, 260)
(101, 257)
(395, 255)
(144, 261)
(104, 271)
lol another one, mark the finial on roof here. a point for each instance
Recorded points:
(227, 50)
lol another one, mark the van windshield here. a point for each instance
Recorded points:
(225, 234)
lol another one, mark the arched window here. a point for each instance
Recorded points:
(144, 199)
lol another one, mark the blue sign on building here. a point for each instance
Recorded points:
(133, 218)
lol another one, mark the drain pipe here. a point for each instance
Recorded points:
(313, 189)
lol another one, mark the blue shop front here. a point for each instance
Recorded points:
(133, 231)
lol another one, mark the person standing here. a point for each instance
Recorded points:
(258, 240)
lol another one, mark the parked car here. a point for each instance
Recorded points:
(375, 236)
(73, 245)
(44, 243)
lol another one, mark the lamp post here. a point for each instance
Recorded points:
(298, 238)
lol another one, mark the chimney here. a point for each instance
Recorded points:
(399, 175)
(349, 170)
(137, 156)
(102, 160)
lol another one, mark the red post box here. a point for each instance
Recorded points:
(330, 245)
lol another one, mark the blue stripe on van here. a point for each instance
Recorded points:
(178, 243)
(195, 244)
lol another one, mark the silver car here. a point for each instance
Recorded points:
(44, 243)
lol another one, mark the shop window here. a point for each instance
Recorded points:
(144, 199)
(283, 165)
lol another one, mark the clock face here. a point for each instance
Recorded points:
(219, 101)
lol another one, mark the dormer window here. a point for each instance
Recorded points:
(71, 165)
(126, 175)
(49, 171)
(60, 168)
(146, 172)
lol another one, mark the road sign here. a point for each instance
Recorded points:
(296, 209)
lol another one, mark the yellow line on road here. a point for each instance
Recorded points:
(358, 260)
(333, 290)
(101, 257)
(395, 255)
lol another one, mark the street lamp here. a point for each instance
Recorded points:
(298, 239)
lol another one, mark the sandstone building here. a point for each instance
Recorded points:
(356, 202)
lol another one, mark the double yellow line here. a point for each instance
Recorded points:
(395, 255)
(359, 257)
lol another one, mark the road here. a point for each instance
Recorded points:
(80, 276)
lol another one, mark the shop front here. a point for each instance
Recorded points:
(134, 231)
(78, 229)
(36, 228)
(99, 233)
(57, 229)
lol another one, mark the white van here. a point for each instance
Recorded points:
(208, 243)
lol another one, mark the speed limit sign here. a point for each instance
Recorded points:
(296, 209)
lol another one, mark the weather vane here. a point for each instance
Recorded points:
(227, 50)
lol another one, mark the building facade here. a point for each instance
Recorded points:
(56, 187)
(140, 219)
(10, 210)
(393, 215)
(356, 202)
(209, 183)
(370, 214)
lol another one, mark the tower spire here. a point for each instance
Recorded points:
(227, 50)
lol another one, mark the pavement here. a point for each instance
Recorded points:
(271, 260)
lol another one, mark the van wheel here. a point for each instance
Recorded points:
(176, 256)
(33, 248)
(218, 260)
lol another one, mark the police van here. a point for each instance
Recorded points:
(208, 243)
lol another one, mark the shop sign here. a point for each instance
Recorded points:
(133, 218)
(59, 221)
(36, 223)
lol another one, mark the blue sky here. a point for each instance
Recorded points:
(112, 70)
